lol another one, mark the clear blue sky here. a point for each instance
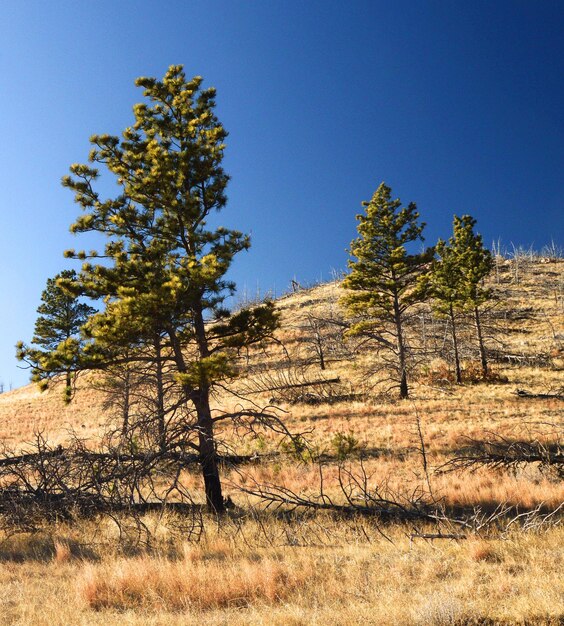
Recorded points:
(456, 105)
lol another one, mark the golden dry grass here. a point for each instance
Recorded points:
(319, 569)
(333, 575)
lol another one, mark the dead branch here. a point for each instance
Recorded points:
(357, 498)
(501, 453)
(522, 393)
(309, 383)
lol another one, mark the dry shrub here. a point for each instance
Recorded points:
(43, 548)
(438, 609)
(27, 548)
(439, 373)
(63, 552)
(483, 550)
(177, 586)
(220, 549)
(472, 373)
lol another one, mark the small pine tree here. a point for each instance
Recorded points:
(475, 263)
(57, 340)
(445, 285)
(384, 281)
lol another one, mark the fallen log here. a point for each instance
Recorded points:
(522, 393)
(181, 458)
(311, 383)
(433, 536)
(503, 454)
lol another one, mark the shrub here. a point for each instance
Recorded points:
(344, 445)
(177, 586)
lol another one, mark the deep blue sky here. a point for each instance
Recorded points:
(456, 105)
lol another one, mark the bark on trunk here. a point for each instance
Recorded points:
(404, 390)
(208, 452)
(455, 346)
(320, 351)
(161, 429)
(481, 343)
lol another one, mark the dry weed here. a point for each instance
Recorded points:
(158, 585)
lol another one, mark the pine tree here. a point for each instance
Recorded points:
(474, 263)
(384, 280)
(165, 277)
(445, 284)
(57, 338)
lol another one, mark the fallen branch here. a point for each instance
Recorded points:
(358, 498)
(500, 453)
(47, 483)
(522, 393)
(433, 536)
(179, 457)
(311, 383)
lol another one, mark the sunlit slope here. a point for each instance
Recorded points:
(526, 352)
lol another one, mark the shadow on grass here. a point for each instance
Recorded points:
(44, 548)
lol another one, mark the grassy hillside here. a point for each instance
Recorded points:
(314, 567)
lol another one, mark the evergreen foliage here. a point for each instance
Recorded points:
(475, 264)
(445, 284)
(57, 342)
(456, 280)
(163, 278)
(384, 281)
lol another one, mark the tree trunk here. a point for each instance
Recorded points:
(161, 429)
(201, 399)
(455, 345)
(68, 386)
(125, 407)
(208, 452)
(481, 343)
(404, 390)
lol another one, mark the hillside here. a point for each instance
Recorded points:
(361, 411)
(526, 351)
(294, 565)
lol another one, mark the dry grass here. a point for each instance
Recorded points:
(317, 569)
(332, 573)
(157, 585)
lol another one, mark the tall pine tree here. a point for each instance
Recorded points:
(164, 275)
(384, 280)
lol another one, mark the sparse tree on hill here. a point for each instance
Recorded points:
(474, 263)
(445, 283)
(164, 272)
(384, 280)
(57, 342)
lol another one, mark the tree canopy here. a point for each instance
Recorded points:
(456, 280)
(163, 273)
(383, 282)
(58, 341)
